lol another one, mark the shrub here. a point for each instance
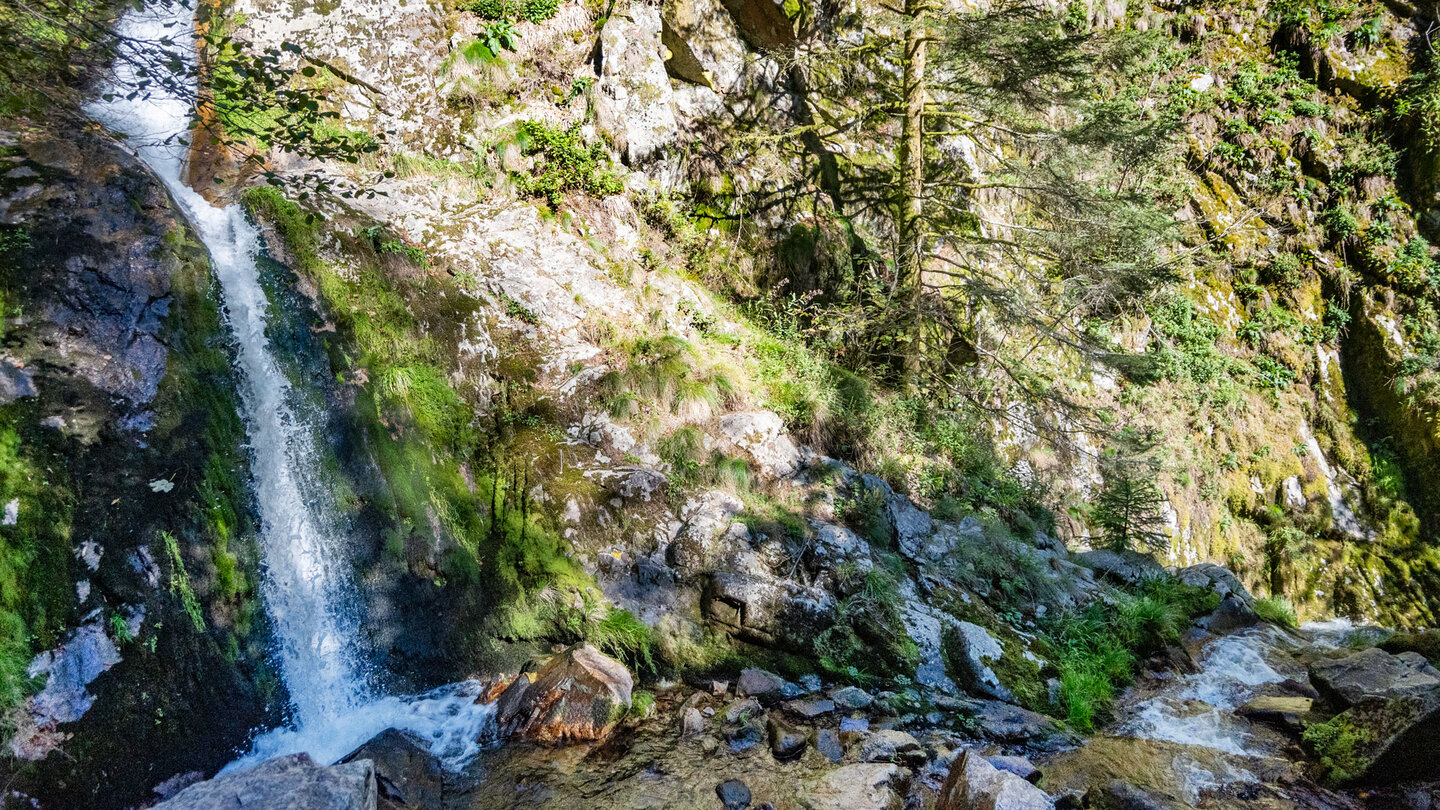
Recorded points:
(1277, 609)
(563, 163)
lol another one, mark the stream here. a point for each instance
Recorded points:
(336, 704)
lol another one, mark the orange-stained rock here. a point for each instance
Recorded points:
(577, 695)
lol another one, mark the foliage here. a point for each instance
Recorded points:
(534, 11)
(1277, 610)
(1128, 506)
(562, 163)
(868, 642)
(1335, 744)
(1096, 649)
(180, 581)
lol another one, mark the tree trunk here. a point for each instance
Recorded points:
(911, 226)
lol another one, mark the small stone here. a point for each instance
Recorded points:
(811, 682)
(827, 742)
(1020, 766)
(734, 794)
(854, 724)
(708, 711)
(719, 687)
(691, 722)
(851, 698)
(791, 690)
(746, 737)
(811, 709)
(786, 742)
(742, 710)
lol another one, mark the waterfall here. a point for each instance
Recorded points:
(305, 580)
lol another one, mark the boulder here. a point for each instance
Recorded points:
(1425, 642)
(892, 745)
(692, 722)
(633, 96)
(810, 709)
(1125, 567)
(851, 698)
(408, 776)
(786, 741)
(708, 534)
(577, 695)
(1008, 723)
(975, 784)
(1233, 613)
(760, 684)
(291, 782)
(1389, 728)
(762, 436)
(733, 794)
(1020, 766)
(1283, 712)
(971, 649)
(1373, 673)
(827, 742)
(865, 786)
(1217, 578)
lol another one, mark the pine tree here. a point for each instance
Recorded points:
(1129, 507)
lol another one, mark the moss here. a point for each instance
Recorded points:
(1337, 744)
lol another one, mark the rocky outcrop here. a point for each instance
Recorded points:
(68, 671)
(1373, 673)
(633, 97)
(1125, 567)
(408, 776)
(975, 784)
(974, 649)
(291, 782)
(577, 695)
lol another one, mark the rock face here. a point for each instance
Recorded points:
(292, 782)
(68, 671)
(1128, 567)
(577, 695)
(975, 784)
(762, 436)
(633, 96)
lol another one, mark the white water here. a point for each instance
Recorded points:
(334, 706)
(1198, 709)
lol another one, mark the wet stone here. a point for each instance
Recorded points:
(734, 794)
(854, 724)
(827, 742)
(811, 709)
(851, 698)
(786, 742)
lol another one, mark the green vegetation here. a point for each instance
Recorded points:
(1277, 610)
(868, 642)
(180, 581)
(1334, 743)
(1096, 650)
(562, 163)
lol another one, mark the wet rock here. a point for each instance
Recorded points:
(973, 648)
(1125, 567)
(1233, 613)
(68, 670)
(891, 745)
(1020, 766)
(1008, 723)
(692, 722)
(15, 382)
(1119, 795)
(851, 698)
(786, 742)
(408, 776)
(865, 786)
(633, 96)
(827, 742)
(576, 695)
(811, 709)
(762, 435)
(854, 724)
(1284, 712)
(810, 683)
(974, 784)
(746, 736)
(292, 782)
(734, 794)
(762, 685)
(1374, 673)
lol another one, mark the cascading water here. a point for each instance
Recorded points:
(334, 706)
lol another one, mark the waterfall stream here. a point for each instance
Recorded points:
(306, 586)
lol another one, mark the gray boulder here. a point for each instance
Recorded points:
(1125, 567)
(764, 610)
(291, 782)
(762, 436)
(1217, 578)
(975, 784)
(407, 775)
(913, 528)
(971, 649)
(1373, 673)
(760, 684)
(892, 745)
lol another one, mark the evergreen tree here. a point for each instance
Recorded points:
(1128, 508)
